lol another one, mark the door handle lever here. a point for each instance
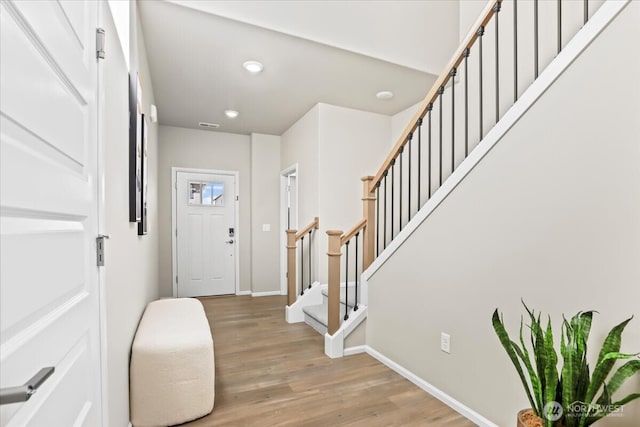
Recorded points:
(230, 241)
(22, 393)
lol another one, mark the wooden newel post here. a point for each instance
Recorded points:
(334, 254)
(291, 267)
(368, 213)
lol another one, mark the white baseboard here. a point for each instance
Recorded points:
(265, 294)
(243, 293)
(355, 350)
(463, 410)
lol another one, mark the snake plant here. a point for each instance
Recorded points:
(572, 396)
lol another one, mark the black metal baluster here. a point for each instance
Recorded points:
(586, 11)
(346, 283)
(559, 3)
(480, 34)
(302, 265)
(496, 9)
(429, 109)
(393, 185)
(377, 218)
(409, 182)
(440, 93)
(535, 38)
(310, 258)
(419, 162)
(400, 191)
(355, 305)
(515, 50)
(466, 102)
(453, 119)
(384, 240)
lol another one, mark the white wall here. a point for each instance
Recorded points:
(202, 149)
(550, 215)
(353, 144)
(300, 144)
(265, 210)
(131, 271)
(400, 121)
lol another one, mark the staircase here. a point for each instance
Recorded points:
(316, 315)
(442, 143)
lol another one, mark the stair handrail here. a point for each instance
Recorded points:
(441, 81)
(313, 225)
(293, 236)
(355, 229)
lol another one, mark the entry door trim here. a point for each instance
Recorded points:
(174, 222)
(283, 222)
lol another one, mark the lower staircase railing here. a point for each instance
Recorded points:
(339, 241)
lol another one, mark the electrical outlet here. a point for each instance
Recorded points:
(445, 342)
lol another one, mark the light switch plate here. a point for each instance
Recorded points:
(266, 227)
(445, 342)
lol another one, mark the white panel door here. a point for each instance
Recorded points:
(206, 234)
(49, 306)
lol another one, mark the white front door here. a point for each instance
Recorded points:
(49, 304)
(206, 234)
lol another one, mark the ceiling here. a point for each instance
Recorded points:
(196, 58)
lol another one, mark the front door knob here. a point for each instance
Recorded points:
(230, 241)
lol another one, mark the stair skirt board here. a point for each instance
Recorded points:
(313, 296)
(334, 344)
(583, 38)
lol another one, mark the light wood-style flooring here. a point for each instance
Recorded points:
(271, 373)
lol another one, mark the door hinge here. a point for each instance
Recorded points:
(176, 280)
(100, 40)
(237, 198)
(100, 249)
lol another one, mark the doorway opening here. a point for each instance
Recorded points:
(288, 216)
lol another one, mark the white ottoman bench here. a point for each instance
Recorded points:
(172, 373)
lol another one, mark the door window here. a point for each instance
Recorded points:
(206, 193)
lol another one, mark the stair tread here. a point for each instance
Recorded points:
(318, 312)
(352, 296)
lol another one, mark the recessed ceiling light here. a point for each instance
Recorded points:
(254, 67)
(232, 114)
(385, 94)
(209, 125)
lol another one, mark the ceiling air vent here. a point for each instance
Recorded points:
(209, 125)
